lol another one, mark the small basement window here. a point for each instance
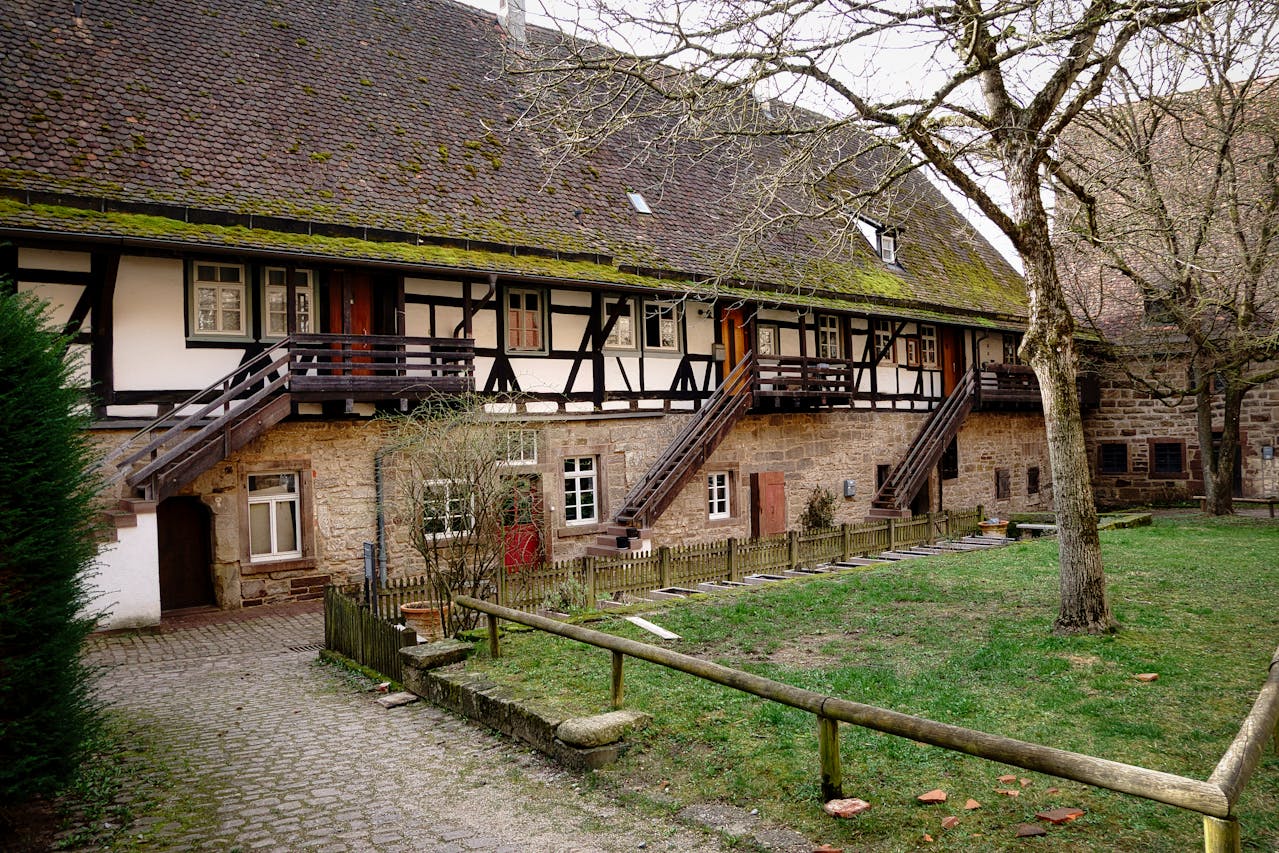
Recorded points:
(1167, 458)
(1032, 480)
(1113, 458)
(1003, 484)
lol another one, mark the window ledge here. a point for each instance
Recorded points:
(288, 564)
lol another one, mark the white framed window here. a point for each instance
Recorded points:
(928, 346)
(581, 490)
(883, 340)
(912, 351)
(448, 508)
(829, 342)
(218, 300)
(275, 320)
(767, 340)
(622, 335)
(888, 247)
(718, 504)
(1011, 344)
(525, 320)
(520, 447)
(661, 326)
(275, 517)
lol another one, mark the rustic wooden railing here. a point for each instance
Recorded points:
(926, 449)
(211, 423)
(1007, 383)
(691, 447)
(685, 566)
(350, 629)
(804, 376)
(1215, 799)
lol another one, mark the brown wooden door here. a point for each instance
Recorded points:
(732, 326)
(768, 503)
(185, 546)
(952, 357)
(351, 313)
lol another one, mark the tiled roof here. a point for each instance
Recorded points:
(395, 116)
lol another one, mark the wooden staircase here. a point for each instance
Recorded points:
(206, 428)
(682, 459)
(904, 482)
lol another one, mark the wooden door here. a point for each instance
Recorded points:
(952, 357)
(732, 327)
(185, 546)
(768, 503)
(351, 314)
(521, 523)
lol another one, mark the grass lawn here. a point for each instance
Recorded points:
(966, 640)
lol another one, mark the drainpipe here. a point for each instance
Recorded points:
(379, 499)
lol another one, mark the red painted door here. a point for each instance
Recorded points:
(521, 523)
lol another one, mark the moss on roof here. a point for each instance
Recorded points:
(138, 229)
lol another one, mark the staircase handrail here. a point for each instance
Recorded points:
(906, 475)
(209, 429)
(735, 387)
(115, 455)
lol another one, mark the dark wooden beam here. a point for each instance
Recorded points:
(105, 267)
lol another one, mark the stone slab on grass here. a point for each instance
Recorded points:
(600, 729)
(437, 654)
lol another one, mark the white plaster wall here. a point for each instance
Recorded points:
(125, 578)
(566, 331)
(61, 298)
(54, 259)
(539, 375)
(700, 330)
(659, 373)
(150, 337)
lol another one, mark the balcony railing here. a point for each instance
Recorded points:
(378, 367)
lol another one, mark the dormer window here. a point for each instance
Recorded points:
(888, 247)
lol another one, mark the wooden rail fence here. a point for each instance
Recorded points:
(1214, 799)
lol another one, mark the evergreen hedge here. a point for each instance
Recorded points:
(47, 525)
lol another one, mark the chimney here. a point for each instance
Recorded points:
(510, 13)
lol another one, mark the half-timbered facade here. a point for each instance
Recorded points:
(265, 227)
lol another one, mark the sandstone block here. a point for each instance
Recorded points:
(601, 729)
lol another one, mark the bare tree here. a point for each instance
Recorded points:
(1173, 245)
(986, 91)
(458, 501)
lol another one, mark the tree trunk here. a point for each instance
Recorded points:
(1218, 467)
(1050, 348)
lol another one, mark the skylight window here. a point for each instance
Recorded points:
(638, 202)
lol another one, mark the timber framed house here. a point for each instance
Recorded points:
(263, 224)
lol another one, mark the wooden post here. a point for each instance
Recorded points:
(618, 688)
(892, 534)
(828, 753)
(502, 597)
(792, 539)
(846, 546)
(664, 566)
(588, 566)
(734, 573)
(1221, 835)
(494, 649)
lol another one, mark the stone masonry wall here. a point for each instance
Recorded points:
(811, 449)
(1132, 418)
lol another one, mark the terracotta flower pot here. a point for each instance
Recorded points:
(994, 527)
(429, 618)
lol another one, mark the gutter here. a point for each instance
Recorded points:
(766, 297)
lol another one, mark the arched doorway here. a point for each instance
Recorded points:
(185, 546)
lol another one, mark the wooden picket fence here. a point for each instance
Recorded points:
(367, 638)
(684, 566)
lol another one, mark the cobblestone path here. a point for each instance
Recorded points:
(264, 748)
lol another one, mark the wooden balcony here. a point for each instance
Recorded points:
(378, 367)
(1007, 386)
(805, 380)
